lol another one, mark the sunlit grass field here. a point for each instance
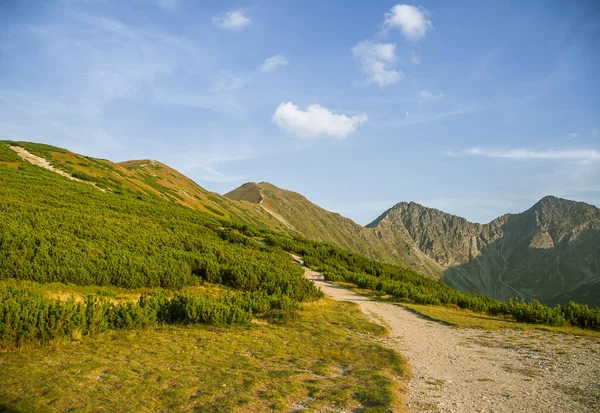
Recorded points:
(327, 359)
(465, 318)
(469, 319)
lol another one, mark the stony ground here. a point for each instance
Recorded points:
(473, 370)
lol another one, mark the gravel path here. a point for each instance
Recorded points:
(472, 370)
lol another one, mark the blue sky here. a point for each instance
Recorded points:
(477, 108)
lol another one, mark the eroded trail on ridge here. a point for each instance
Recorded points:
(472, 370)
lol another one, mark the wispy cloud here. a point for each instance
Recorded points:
(375, 60)
(316, 121)
(106, 69)
(416, 118)
(228, 82)
(232, 20)
(590, 155)
(206, 164)
(410, 20)
(272, 63)
(426, 96)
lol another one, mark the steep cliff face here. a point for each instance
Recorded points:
(546, 252)
(448, 239)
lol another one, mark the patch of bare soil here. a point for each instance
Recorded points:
(39, 161)
(472, 370)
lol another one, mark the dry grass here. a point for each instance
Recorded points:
(466, 318)
(326, 360)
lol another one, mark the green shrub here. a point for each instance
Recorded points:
(402, 283)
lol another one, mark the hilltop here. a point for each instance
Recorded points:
(143, 178)
(311, 221)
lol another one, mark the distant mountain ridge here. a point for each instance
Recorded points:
(550, 252)
(305, 218)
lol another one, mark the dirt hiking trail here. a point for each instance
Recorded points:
(473, 370)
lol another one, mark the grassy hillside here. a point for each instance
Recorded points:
(53, 229)
(143, 178)
(260, 205)
(130, 298)
(125, 298)
(313, 222)
(326, 360)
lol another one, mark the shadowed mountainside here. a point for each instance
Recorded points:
(550, 252)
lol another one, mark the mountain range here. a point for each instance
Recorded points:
(550, 252)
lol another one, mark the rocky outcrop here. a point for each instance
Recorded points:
(546, 252)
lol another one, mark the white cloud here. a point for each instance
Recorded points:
(316, 121)
(586, 155)
(111, 61)
(375, 59)
(410, 20)
(427, 96)
(273, 63)
(233, 20)
(414, 59)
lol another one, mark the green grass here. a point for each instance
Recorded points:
(8, 155)
(326, 359)
(469, 319)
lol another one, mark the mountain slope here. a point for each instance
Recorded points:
(311, 221)
(550, 252)
(142, 177)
